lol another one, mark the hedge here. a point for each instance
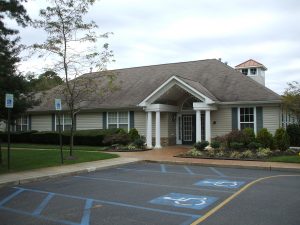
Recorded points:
(83, 137)
(293, 131)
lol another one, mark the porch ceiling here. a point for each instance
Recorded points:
(174, 96)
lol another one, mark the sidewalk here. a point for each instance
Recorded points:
(59, 171)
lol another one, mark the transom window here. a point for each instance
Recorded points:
(22, 124)
(253, 71)
(117, 120)
(245, 71)
(65, 122)
(246, 118)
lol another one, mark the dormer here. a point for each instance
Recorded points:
(253, 69)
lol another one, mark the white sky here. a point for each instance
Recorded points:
(148, 32)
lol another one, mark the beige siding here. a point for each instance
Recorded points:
(163, 124)
(171, 125)
(41, 122)
(222, 118)
(140, 122)
(271, 115)
(87, 121)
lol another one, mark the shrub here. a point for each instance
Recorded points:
(210, 153)
(215, 144)
(119, 138)
(200, 145)
(263, 153)
(133, 134)
(233, 136)
(290, 152)
(235, 155)
(131, 147)
(140, 143)
(248, 154)
(264, 137)
(281, 139)
(220, 154)
(194, 153)
(254, 145)
(236, 145)
(293, 130)
(249, 135)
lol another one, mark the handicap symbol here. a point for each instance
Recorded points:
(184, 201)
(222, 183)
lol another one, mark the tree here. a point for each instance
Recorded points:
(44, 81)
(291, 99)
(69, 40)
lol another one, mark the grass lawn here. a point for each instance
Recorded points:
(26, 159)
(286, 159)
(41, 146)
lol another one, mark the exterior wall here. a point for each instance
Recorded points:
(140, 122)
(41, 122)
(222, 118)
(87, 121)
(171, 129)
(163, 124)
(271, 118)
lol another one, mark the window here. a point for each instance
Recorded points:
(117, 120)
(22, 124)
(253, 71)
(65, 122)
(246, 118)
(245, 71)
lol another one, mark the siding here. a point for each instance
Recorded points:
(171, 126)
(163, 124)
(87, 121)
(41, 122)
(222, 117)
(140, 122)
(271, 115)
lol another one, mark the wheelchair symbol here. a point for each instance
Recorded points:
(188, 201)
(222, 183)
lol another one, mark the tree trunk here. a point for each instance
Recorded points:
(72, 133)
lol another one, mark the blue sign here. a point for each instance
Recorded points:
(220, 183)
(57, 104)
(184, 200)
(9, 100)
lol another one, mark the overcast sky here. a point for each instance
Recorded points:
(148, 32)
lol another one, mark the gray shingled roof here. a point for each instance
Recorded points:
(211, 77)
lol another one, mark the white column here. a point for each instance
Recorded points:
(207, 126)
(198, 125)
(157, 130)
(149, 130)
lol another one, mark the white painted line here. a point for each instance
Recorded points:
(217, 172)
(189, 170)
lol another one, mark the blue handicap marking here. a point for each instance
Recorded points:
(184, 200)
(220, 183)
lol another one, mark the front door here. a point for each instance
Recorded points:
(188, 129)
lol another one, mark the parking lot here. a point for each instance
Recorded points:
(153, 193)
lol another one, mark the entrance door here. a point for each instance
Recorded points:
(188, 129)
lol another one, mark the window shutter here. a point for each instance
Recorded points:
(29, 122)
(104, 120)
(259, 118)
(234, 113)
(131, 119)
(53, 122)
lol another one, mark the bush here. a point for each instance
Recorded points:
(263, 153)
(248, 154)
(233, 136)
(254, 145)
(249, 135)
(235, 155)
(200, 145)
(210, 153)
(194, 153)
(281, 139)
(140, 143)
(220, 154)
(133, 134)
(118, 138)
(236, 145)
(290, 152)
(265, 138)
(293, 130)
(215, 144)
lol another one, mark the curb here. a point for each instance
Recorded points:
(64, 174)
(270, 168)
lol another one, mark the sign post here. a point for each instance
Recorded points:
(9, 104)
(58, 108)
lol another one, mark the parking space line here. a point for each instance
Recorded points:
(163, 168)
(229, 199)
(43, 204)
(117, 203)
(152, 184)
(87, 212)
(8, 198)
(198, 174)
(189, 170)
(217, 172)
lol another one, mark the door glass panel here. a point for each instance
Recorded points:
(187, 122)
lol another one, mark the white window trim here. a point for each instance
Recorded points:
(118, 124)
(254, 117)
(21, 124)
(62, 122)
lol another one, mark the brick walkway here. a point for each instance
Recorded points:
(167, 154)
